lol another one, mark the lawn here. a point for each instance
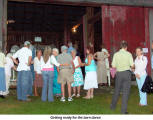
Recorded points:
(99, 105)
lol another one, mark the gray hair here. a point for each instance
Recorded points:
(56, 50)
(63, 48)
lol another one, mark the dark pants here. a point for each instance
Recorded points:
(123, 80)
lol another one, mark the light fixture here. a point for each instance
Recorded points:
(10, 21)
(74, 28)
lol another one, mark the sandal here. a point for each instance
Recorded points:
(86, 97)
(91, 96)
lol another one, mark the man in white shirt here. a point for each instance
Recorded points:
(24, 56)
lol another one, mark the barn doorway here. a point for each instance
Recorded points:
(52, 23)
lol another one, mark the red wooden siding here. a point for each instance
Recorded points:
(147, 37)
(124, 23)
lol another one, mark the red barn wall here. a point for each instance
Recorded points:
(123, 23)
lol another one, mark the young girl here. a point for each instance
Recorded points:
(140, 72)
(91, 74)
(37, 68)
(78, 77)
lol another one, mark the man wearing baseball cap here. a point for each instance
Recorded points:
(65, 72)
(24, 56)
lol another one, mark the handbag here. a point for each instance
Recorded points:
(113, 72)
(148, 85)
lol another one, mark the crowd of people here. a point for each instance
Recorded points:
(52, 71)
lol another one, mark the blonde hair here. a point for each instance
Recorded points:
(47, 53)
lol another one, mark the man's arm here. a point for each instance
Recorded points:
(131, 62)
(29, 61)
(30, 58)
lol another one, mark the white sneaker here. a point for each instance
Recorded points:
(70, 99)
(78, 95)
(62, 99)
(73, 95)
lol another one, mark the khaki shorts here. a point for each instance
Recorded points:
(65, 76)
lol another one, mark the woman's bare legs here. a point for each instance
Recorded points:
(74, 90)
(78, 90)
(35, 89)
(88, 94)
(63, 90)
(92, 93)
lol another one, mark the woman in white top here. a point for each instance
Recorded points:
(56, 85)
(140, 72)
(107, 63)
(8, 66)
(47, 67)
(37, 68)
(78, 77)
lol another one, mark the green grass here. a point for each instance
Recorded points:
(99, 105)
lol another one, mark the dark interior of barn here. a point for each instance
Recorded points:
(53, 23)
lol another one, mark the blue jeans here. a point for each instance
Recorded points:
(30, 84)
(143, 96)
(23, 85)
(2, 80)
(48, 77)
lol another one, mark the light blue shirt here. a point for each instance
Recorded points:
(152, 62)
(91, 67)
(70, 50)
